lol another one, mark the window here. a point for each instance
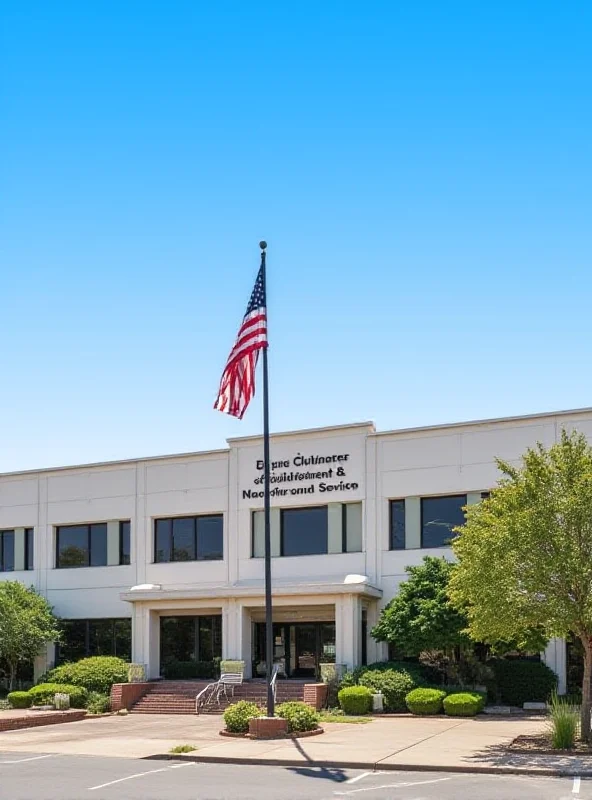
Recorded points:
(189, 539)
(304, 531)
(485, 495)
(124, 542)
(95, 637)
(439, 515)
(6, 551)
(351, 528)
(29, 548)
(397, 523)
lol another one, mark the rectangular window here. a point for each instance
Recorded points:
(189, 539)
(397, 524)
(439, 516)
(485, 495)
(351, 527)
(6, 551)
(95, 637)
(81, 545)
(304, 531)
(124, 542)
(29, 548)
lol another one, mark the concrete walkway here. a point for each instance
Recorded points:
(438, 743)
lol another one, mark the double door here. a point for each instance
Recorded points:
(299, 648)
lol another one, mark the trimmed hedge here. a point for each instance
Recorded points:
(395, 685)
(43, 694)
(355, 700)
(299, 716)
(95, 674)
(98, 703)
(425, 701)
(186, 670)
(463, 704)
(19, 699)
(517, 681)
(237, 716)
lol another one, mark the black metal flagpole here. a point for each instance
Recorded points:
(267, 515)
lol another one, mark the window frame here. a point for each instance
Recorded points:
(390, 524)
(283, 511)
(123, 522)
(2, 532)
(436, 497)
(88, 526)
(29, 549)
(171, 550)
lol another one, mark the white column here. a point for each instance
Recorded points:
(348, 623)
(374, 652)
(555, 657)
(151, 644)
(244, 632)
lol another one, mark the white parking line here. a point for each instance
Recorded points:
(359, 777)
(22, 760)
(139, 775)
(576, 785)
(392, 786)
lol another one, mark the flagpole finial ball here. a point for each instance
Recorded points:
(263, 245)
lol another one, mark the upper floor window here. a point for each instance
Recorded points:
(439, 516)
(124, 542)
(397, 525)
(96, 545)
(29, 548)
(304, 531)
(6, 551)
(189, 538)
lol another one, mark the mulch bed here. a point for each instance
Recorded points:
(301, 735)
(541, 743)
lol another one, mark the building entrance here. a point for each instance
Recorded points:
(298, 648)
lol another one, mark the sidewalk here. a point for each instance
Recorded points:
(441, 743)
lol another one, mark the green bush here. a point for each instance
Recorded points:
(517, 681)
(395, 685)
(237, 716)
(19, 699)
(463, 704)
(564, 718)
(97, 703)
(43, 694)
(355, 700)
(425, 701)
(189, 670)
(300, 716)
(95, 674)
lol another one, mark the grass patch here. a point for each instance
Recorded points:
(335, 716)
(183, 748)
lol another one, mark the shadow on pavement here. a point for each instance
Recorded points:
(500, 756)
(334, 774)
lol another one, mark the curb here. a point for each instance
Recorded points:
(564, 772)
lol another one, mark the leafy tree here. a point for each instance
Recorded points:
(27, 624)
(420, 617)
(525, 554)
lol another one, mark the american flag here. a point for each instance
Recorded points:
(237, 386)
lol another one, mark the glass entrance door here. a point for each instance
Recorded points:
(299, 648)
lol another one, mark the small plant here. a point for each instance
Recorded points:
(183, 748)
(463, 704)
(425, 701)
(394, 684)
(44, 693)
(299, 716)
(355, 700)
(20, 699)
(61, 701)
(237, 716)
(563, 722)
(97, 703)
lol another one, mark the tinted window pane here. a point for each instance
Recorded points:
(397, 524)
(7, 551)
(184, 539)
(29, 549)
(304, 531)
(124, 542)
(72, 542)
(98, 545)
(162, 536)
(210, 538)
(123, 639)
(72, 646)
(100, 637)
(439, 515)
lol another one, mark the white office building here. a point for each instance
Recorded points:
(160, 559)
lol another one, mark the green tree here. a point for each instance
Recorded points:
(420, 617)
(525, 554)
(27, 624)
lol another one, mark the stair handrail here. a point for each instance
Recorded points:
(276, 669)
(206, 695)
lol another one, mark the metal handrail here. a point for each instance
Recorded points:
(276, 669)
(206, 695)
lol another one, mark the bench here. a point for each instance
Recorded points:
(229, 679)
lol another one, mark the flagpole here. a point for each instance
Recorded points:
(267, 515)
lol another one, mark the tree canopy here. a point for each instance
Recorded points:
(525, 554)
(27, 624)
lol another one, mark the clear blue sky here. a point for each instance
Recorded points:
(422, 172)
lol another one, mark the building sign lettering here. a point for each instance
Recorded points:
(328, 474)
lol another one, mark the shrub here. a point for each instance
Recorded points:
(97, 703)
(463, 704)
(563, 722)
(237, 716)
(517, 681)
(355, 700)
(300, 716)
(395, 685)
(19, 699)
(44, 693)
(188, 670)
(425, 701)
(95, 674)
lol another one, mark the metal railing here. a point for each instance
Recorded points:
(276, 669)
(207, 695)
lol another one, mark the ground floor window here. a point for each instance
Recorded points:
(299, 648)
(95, 637)
(190, 646)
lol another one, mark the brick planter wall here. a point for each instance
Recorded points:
(315, 695)
(37, 718)
(125, 695)
(268, 728)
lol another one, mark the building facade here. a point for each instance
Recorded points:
(161, 559)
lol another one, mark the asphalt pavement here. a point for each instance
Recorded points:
(35, 776)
